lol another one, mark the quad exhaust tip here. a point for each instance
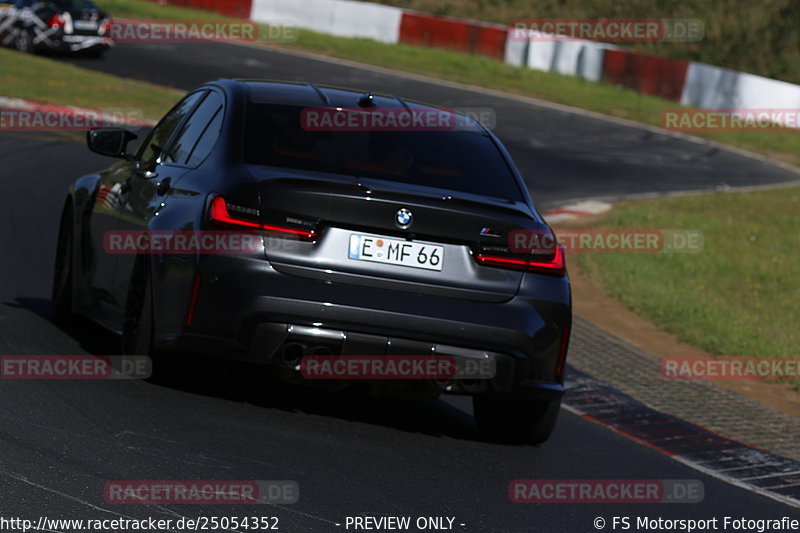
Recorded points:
(473, 385)
(318, 350)
(291, 353)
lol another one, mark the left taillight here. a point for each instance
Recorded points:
(554, 265)
(219, 213)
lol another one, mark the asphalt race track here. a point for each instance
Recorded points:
(61, 441)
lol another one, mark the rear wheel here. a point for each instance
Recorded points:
(517, 420)
(23, 41)
(63, 279)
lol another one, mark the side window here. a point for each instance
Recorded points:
(207, 140)
(185, 143)
(155, 143)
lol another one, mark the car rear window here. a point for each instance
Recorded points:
(461, 159)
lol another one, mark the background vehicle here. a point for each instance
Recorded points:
(57, 25)
(233, 156)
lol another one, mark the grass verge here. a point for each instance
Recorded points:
(739, 296)
(757, 37)
(51, 81)
(153, 10)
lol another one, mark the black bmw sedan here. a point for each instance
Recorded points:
(333, 235)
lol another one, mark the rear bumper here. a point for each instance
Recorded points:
(70, 43)
(246, 309)
(79, 43)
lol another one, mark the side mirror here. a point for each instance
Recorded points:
(112, 143)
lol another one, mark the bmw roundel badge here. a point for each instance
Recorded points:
(403, 218)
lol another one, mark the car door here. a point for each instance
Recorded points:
(160, 171)
(113, 195)
(99, 263)
(174, 275)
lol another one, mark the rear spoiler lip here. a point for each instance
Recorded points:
(278, 175)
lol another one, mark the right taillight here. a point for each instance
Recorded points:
(105, 27)
(554, 265)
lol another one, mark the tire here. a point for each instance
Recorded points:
(63, 275)
(95, 53)
(23, 41)
(515, 420)
(137, 328)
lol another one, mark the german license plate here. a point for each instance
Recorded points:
(85, 25)
(396, 252)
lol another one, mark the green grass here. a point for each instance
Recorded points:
(152, 10)
(54, 82)
(739, 296)
(485, 72)
(758, 37)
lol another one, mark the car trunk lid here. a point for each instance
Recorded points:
(348, 211)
